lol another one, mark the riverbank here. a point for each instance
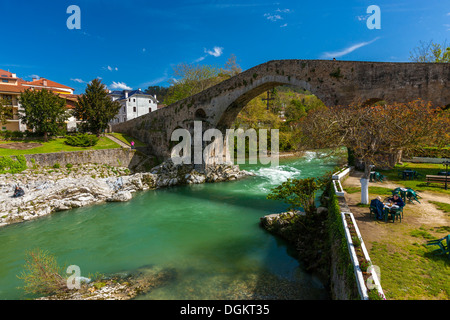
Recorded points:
(49, 190)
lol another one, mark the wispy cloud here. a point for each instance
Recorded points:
(337, 54)
(78, 80)
(283, 25)
(272, 17)
(216, 51)
(111, 68)
(119, 85)
(284, 10)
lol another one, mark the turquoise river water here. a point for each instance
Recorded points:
(208, 235)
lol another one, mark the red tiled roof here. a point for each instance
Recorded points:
(5, 73)
(50, 83)
(11, 88)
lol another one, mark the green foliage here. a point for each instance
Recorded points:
(82, 140)
(95, 108)
(190, 79)
(42, 274)
(431, 52)
(43, 111)
(8, 165)
(56, 165)
(6, 110)
(299, 193)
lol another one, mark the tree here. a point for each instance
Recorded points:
(42, 274)
(373, 132)
(299, 193)
(190, 79)
(430, 52)
(95, 109)
(6, 110)
(43, 111)
(159, 91)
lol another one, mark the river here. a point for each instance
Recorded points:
(208, 234)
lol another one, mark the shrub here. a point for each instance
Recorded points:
(8, 165)
(69, 166)
(56, 165)
(42, 275)
(82, 140)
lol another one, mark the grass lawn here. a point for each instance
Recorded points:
(409, 269)
(56, 145)
(420, 183)
(127, 139)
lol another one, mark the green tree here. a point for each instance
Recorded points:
(43, 111)
(42, 275)
(159, 91)
(430, 52)
(95, 109)
(190, 79)
(6, 110)
(299, 193)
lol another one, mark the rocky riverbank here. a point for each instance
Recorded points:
(124, 286)
(48, 190)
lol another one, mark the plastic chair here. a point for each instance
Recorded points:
(443, 249)
(411, 195)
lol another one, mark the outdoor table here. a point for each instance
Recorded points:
(387, 208)
(408, 174)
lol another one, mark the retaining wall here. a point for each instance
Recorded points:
(119, 157)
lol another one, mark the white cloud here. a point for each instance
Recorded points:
(284, 10)
(272, 17)
(200, 59)
(348, 50)
(78, 80)
(216, 52)
(112, 68)
(283, 25)
(120, 85)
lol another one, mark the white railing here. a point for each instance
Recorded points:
(336, 178)
(373, 282)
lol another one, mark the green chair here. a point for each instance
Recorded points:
(396, 214)
(411, 195)
(373, 211)
(443, 248)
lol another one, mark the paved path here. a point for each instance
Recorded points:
(118, 141)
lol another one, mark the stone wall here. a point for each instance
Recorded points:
(119, 157)
(336, 83)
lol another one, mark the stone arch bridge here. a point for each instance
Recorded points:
(334, 82)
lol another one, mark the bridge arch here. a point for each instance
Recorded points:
(336, 83)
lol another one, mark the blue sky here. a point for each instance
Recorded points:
(134, 44)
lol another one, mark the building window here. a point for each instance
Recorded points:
(134, 109)
(134, 100)
(5, 80)
(149, 109)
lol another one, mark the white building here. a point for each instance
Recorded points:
(134, 104)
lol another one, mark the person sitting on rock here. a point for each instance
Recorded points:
(18, 192)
